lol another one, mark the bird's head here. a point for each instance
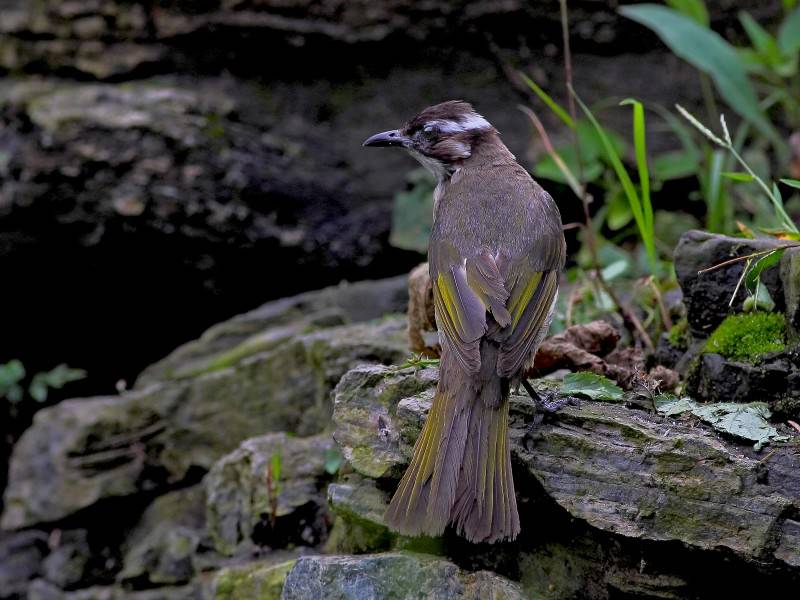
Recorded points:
(441, 137)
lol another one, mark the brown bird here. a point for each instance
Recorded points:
(495, 253)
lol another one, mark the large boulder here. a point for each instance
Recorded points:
(398, 575)
(708, 295)
(81, 451)
(625, 474)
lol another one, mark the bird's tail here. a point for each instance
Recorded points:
(461, 469)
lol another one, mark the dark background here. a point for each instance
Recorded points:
(167, 164)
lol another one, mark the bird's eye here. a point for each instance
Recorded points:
(428, 130)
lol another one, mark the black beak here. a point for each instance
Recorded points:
(387, 138)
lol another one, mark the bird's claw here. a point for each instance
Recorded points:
(551, 403)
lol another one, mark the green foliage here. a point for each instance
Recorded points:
(638, 200)
(419, 361)
(747, 337)
(412, 214)
(710, 53)
(593, 157)
(13, 389)
(696, 9)
(333, 460)
(678, 335)
(772, 193)
(11, 375)
(590, 385)
(747, 421)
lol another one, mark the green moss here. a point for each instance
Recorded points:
(678, 336)
(252, 582)
(746, 337)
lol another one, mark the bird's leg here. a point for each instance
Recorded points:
(548, 405)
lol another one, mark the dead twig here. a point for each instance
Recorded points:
(747, 257)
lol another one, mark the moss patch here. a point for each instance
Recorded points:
(678, 336)
(746, 337)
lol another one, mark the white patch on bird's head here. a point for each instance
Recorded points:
(468, 122)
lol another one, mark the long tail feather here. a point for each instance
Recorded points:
(460, 472)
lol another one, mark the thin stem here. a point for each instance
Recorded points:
(747, 257)
(568, 79)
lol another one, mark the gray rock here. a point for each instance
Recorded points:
(161, 548)
(622, 471)
(83, 450)
(397, 575)
(707, 295)
(364, 404)
(21, 557)
(359, 507)
(42, 590)
(242, 507)
(262, 580)
(70, 562)
(772, 379)
(790, 275)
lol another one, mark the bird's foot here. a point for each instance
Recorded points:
(551, 402)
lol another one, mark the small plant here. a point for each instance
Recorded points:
(14, 389)
(273, 479)
(419, 361)
(333, 460)
(773, 193)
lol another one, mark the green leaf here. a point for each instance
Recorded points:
(747, 421)
(763, 42)
(707, 51)
(674, 165)
(759, 300)
(275, 467)
(591, 385)
(795, 183)
(551, 104)
(789, 33)
(333, 460)
(763, 263)
(412, 214)
(10, 374)
(59, 376)
(38, 390)
(696, 9)
(619, 211)
(737, 176)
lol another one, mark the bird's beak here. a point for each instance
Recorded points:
(387, 138)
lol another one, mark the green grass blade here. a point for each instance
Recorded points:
(627, 185)
(715, 207)
(795, 183)
(551, 104)
(640, 149)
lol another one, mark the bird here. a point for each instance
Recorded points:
(495, 253)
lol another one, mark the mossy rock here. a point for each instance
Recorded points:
(748, 336)
(252, 582)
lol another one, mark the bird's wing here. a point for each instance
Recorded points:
(464, 288)
(533, 284)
